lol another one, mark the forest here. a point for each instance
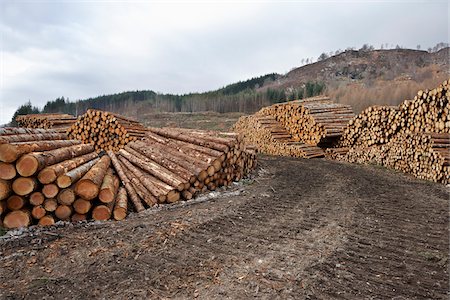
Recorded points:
(242, 96)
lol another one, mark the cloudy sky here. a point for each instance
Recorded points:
(81, 49)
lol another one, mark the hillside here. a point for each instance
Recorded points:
(360, 78)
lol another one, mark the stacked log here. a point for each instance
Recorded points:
(315, 121)
(170, 164)
(44, 178)
(106, 130)
(413, 137)
(429, 111)
(60, 122)
(424, 155)
(270, 137)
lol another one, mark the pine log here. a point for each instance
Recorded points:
(50, 190)
(36, 198)
(47, 220)
(67, 179)
(130, 190)
(50, 173)
(156, 170)
(50, 205)
(33, 137)
(17, 219)
(63, 212)
(66, 196)
(109, 187)
(38, 212)
(11, 152)
(121, 205)
(30, 163)
(88, 186)
(82, 206)
(15, 202)
(5, 189)
(7, 171)
(23, 186)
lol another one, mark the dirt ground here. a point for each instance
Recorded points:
(300, 229)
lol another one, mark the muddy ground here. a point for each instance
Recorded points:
(301, 229)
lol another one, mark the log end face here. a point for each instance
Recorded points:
(46, 221)
(5, 189)
(47, 176)
(86, 189)
(120, 214)
(8, 153)
(101, 213)
(7, 171)
(23, 186)
(27, 165)
(63, 181)
(106, 196)
(17, 219)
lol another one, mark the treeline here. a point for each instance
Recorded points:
(244, 96)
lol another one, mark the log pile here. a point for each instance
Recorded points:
(170, 164)
(413, 137)
(424, 155)
(60, 122)
(106, 130)
(429, 111)
(270, 137)
(45, 177)
(315, 121)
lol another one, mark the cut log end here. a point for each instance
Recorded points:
(47, 175)
(23, 186)
(63, 181)
(86, 189)
(7, 171)
(101, 213)
(17, 219)
(47, 221)
(27, 165)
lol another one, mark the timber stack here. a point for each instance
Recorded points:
(315, 121)
(45, 177)
(270, 137)
(59, 122)
(413, 137)
(106, 130)
(170, 164)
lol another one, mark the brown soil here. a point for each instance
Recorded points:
(301, 229)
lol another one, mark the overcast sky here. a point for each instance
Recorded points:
(81, 49)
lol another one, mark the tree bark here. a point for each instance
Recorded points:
(88, 186)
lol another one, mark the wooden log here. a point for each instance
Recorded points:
(63, 212)
(32, 137)
(66, 196)
(10, 152)
(67, 179)
(15, 202)
(88, 186)
(17, 219)
(50, 205)
(82, 206)
(126, 182)
(50, 190)
(38, 212)
(36, 198)
(30, 163)
(47, 220)
(156, 170)
(50, 173)
(23, 186)
(5, 189)
(121, 205)
(109, 187)
(7, 171)
(103, 212)
(2, 208)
